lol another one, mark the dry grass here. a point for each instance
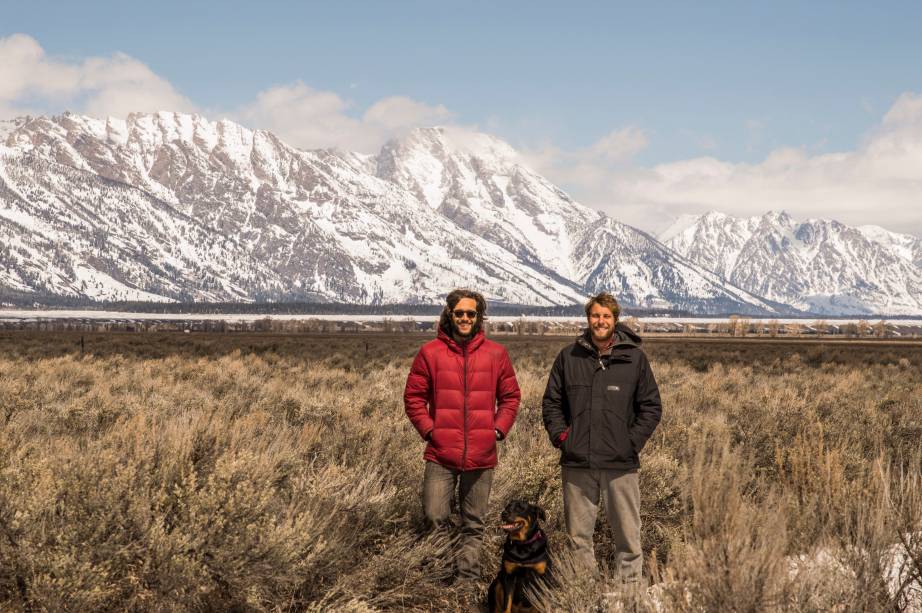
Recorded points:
(276, 473)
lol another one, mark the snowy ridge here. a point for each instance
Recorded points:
(170, 206)
(904, 245)
(477, 181)
(818, 265)
(480, 184)
(294, 224)
(616, 257)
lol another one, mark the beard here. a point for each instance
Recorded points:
(456, 332)
(474, 329)
(596, 334)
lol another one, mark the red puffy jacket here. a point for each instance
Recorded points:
(457, 395)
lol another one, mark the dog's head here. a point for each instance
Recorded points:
(520, 519)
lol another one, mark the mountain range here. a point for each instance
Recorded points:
(175, 207)
(818, 265)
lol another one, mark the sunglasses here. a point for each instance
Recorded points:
(461, 313)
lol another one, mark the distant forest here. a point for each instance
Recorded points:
(40, 301)
(46, 301)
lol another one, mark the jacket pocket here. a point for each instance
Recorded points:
(575, 449)
(615, 444)
(618, 400)
(579, 397)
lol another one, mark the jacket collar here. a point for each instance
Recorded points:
(475, 342)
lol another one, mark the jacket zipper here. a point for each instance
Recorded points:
(464, 410)
(602, 366)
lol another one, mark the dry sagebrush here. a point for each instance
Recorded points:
(275, 473)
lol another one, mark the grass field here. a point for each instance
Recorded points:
(256, 472)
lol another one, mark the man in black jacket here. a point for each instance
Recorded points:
(600, 406)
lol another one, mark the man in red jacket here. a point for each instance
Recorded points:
(462, 397)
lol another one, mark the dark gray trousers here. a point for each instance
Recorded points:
(473, 486)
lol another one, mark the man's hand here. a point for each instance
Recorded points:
(563, 436)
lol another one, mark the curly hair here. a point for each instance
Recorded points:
(606, 300)
(452, 300)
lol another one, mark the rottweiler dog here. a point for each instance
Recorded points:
(525, 559)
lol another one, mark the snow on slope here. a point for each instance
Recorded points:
(616, 257)
(310, 224)
(904, 245)
(179, 207)
(817, 265)
(481, 184)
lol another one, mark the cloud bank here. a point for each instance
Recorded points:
(880, 182)
(31, 82)
(313, 119)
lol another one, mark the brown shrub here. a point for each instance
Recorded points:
(272, 472)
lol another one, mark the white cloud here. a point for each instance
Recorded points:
(398, 113)
(31, 81)
(880, 182)
(120, 85)
(24, 70)
(311, 119)
(584, 170)
(618, 146)
(302, 116)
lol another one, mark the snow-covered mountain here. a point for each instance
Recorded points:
(905, 246)
(315, 225)
(612, 256)
(478, 182)
(168, 206)
(481, 184)
(817, 265)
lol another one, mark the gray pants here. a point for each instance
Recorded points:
(439, 485)
(582, 488)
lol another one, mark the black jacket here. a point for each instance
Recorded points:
(610, 404)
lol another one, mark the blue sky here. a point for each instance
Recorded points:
(733, 81)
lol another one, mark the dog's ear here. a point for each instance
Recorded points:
(539, 512)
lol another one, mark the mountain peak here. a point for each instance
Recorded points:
(459, 141)
(818, 265)
(779, 217)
